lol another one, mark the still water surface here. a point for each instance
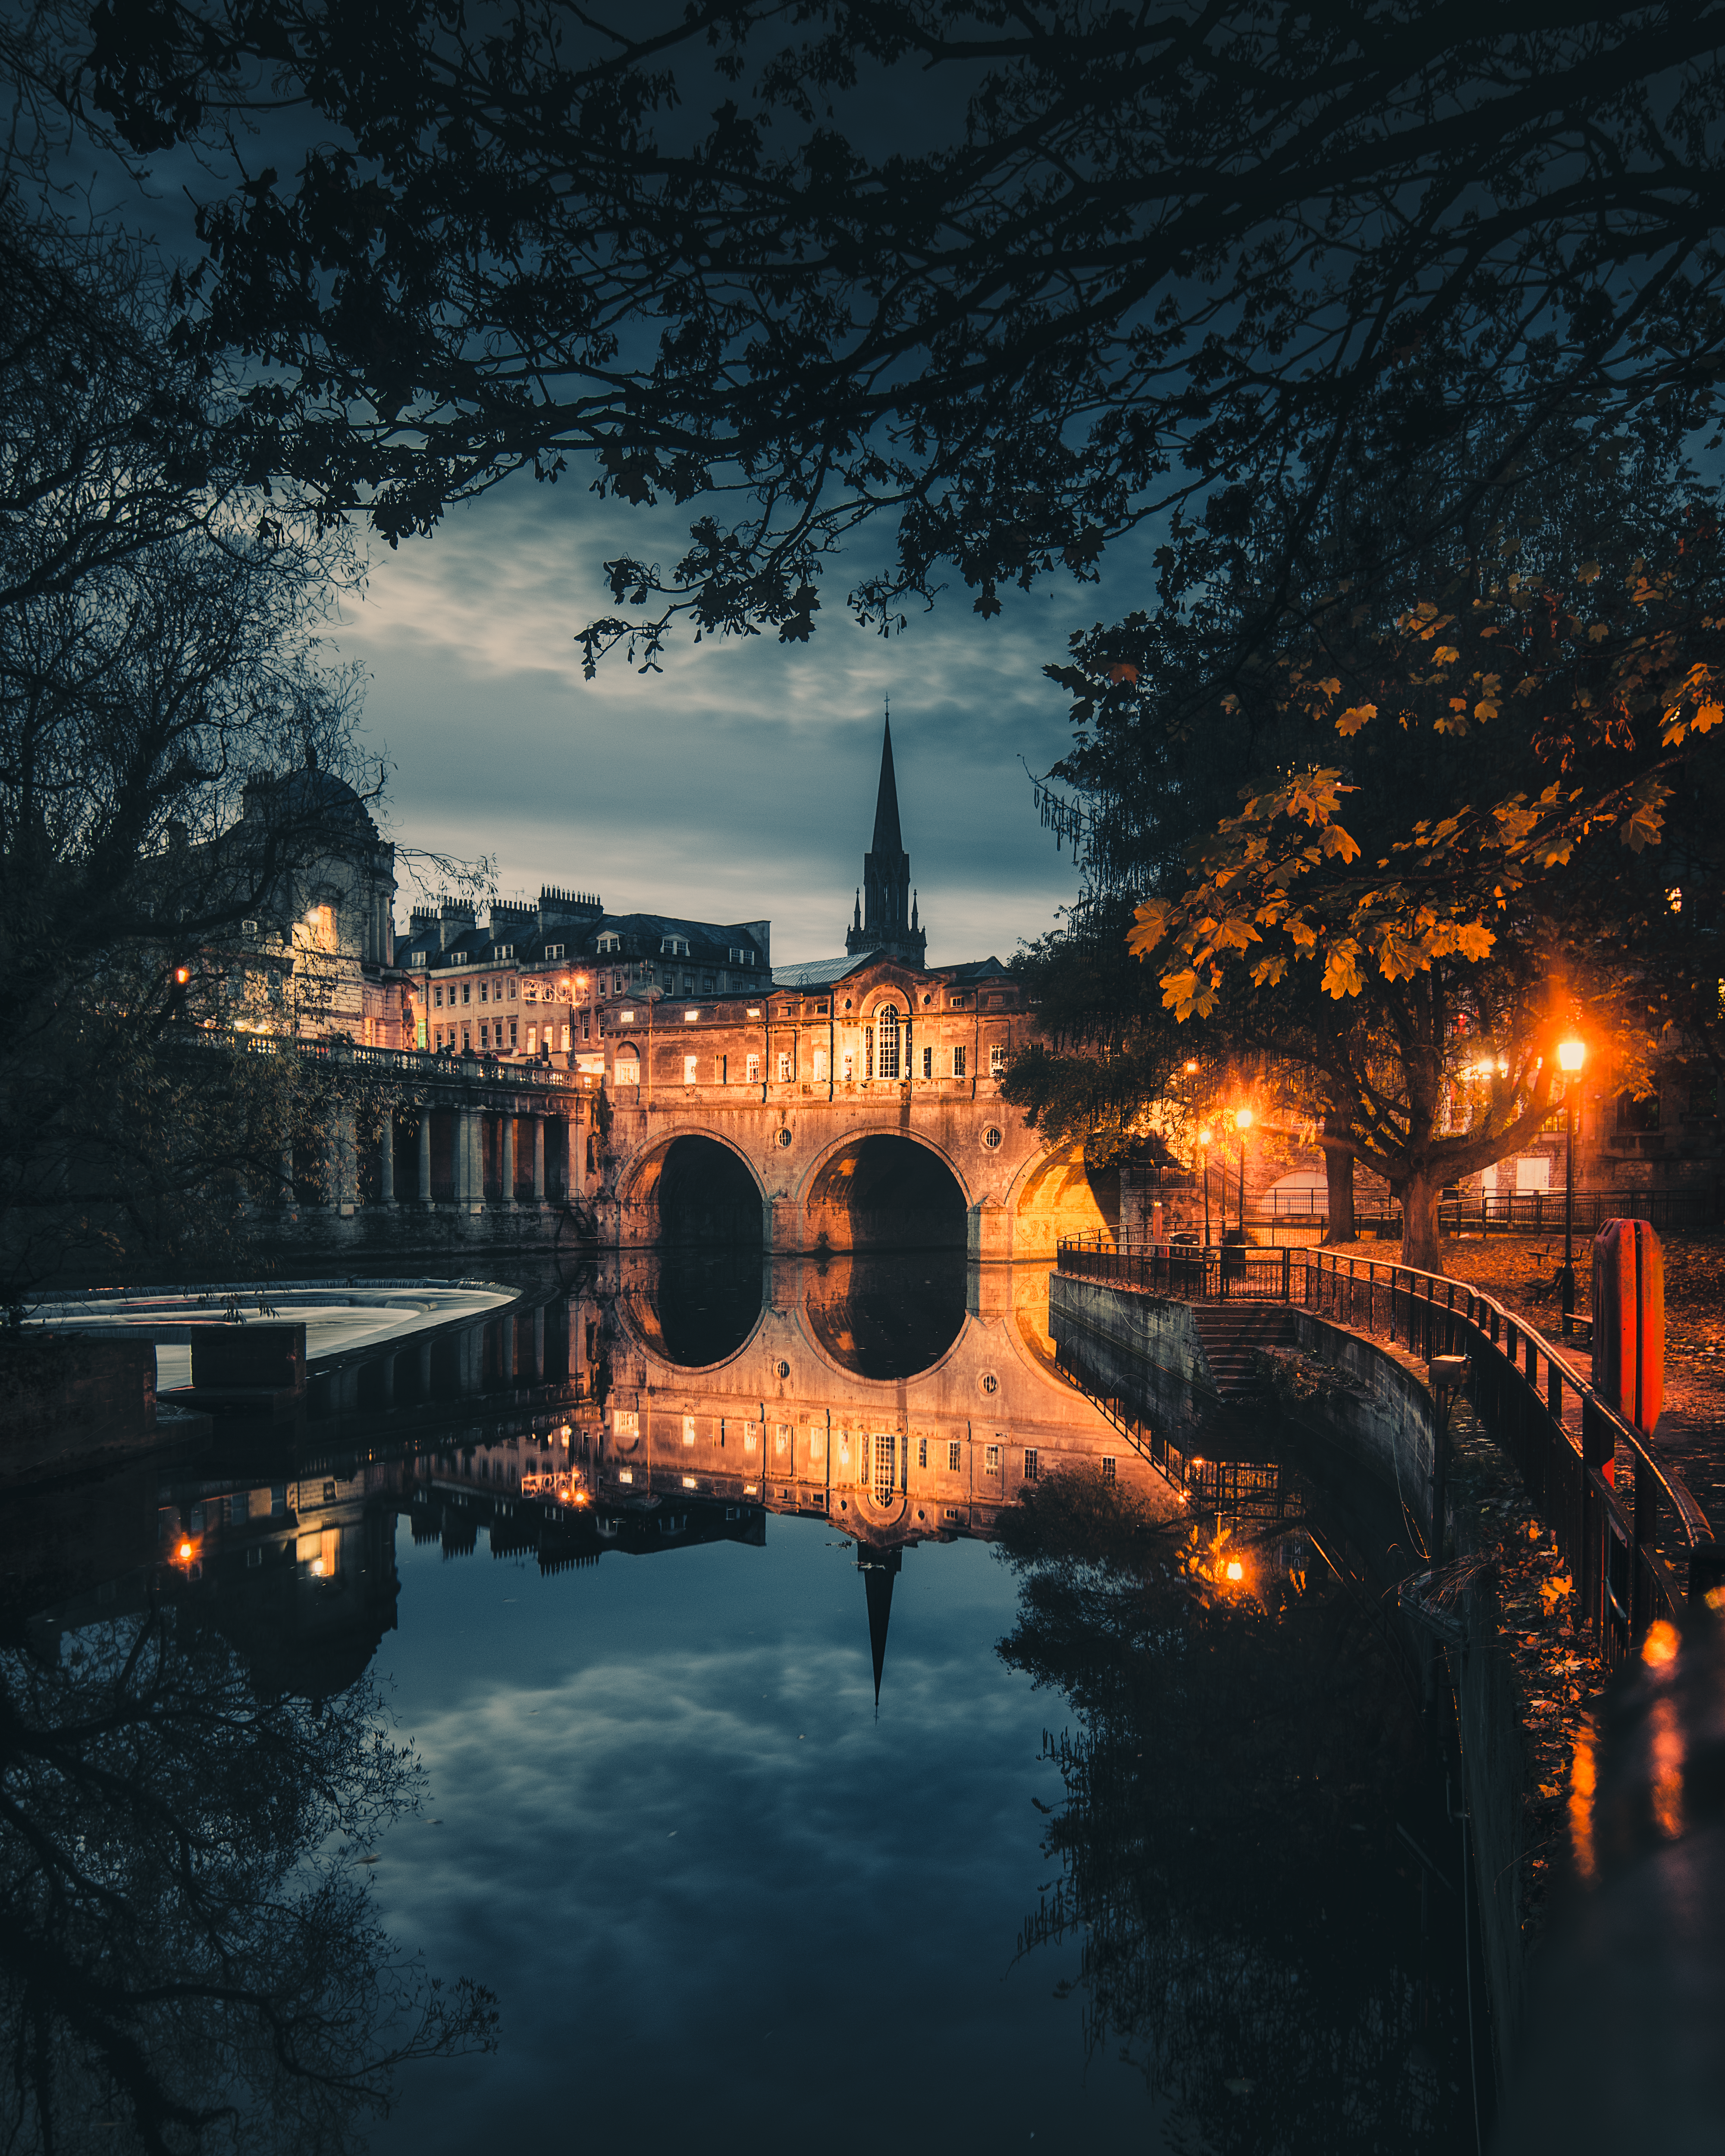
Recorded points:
(1115, 1860)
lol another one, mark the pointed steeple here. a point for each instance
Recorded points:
(883, 923)
(878, 1567)
(887, 839)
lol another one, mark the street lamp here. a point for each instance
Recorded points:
(1242, 1123)
(1203, 1154)
(1572, 1054)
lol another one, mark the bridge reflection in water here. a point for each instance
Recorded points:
(652, 1406)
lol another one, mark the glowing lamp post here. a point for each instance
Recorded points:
(1571, 1055)
(1203, 1155)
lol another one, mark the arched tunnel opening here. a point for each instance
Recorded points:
(887, 1316)
(699, 1195)
(883, 1193)
(695, 1308)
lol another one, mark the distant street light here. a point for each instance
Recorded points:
(1242, 1123)
(1203, 1154)
(1571, 1055)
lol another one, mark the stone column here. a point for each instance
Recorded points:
(386, 1158)
(506, 1151)
(538, 1160)
(425, 1153)
(341, 1166)
(476, 1161)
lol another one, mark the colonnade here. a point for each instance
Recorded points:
(342, 1174)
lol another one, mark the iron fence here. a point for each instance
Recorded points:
(1571, 1449)
(408, 1063)
(1540, 1210)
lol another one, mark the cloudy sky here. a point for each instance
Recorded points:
(739, 782)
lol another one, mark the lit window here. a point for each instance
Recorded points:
(991, 1459)
(689, 1017)
(688, 1429)
(511, 988)
(752, 1071)
(886, 1043)
(1029, 1465)
(750, 1436)
(782, 1438)
(997, 1062)
(952, 1455)
(566, 1040)
(688, 1483)
(690, 1063)
(532, 1041)
(784, 1067)
(820, 1064)
(625, 1422)
(885, 1467)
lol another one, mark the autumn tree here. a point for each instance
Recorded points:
(1408, 840)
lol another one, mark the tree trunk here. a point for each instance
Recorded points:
(1419, 1196)
(1339, 1176)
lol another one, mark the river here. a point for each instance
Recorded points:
(777, 1706)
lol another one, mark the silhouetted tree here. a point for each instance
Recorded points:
(189, 1958)
(1015, 280)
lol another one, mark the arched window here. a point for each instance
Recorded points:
(886, 1043)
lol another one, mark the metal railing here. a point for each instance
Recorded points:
(412, 1064)
(1540, 1210)
(1569, 1447)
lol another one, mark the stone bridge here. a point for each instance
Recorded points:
(789, 1122)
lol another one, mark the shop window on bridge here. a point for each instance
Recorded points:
(820, 1064)
(751, 1436)
(886, 1044)
(752, 1070)
(691, 1069)
(782, 1440)
(928, 1063)
(953, 1455)
(958, 1062)
(1638, 1114)
(991, 1459)
(817, 1444)
(625, 1422)
(688, 1429)
(784, 1067)
(997, 1062)
(885, 1467)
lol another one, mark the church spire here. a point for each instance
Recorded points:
(885, 922)
(887, 839)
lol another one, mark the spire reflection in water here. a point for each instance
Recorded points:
(701, 1731)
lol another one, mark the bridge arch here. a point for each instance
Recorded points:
(1055, 1193)
(884, 1189)
(692, 1189)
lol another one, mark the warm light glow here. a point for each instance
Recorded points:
(317, 1568)
(1243, 1119)
(1659, 1650)
(1192, 1069)
(1204, 1137)
(1236, 1570)
(1571, 1055)
(183, 974)
(185, 1550)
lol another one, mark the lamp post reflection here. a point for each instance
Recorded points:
(1571, 1055)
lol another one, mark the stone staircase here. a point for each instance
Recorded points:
(1232, 1332)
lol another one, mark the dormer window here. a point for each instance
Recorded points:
(608, 942)
(416, 957)
(553, 953)
(458, 958)
(674, 946)
(741, 957)
(501, 953)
